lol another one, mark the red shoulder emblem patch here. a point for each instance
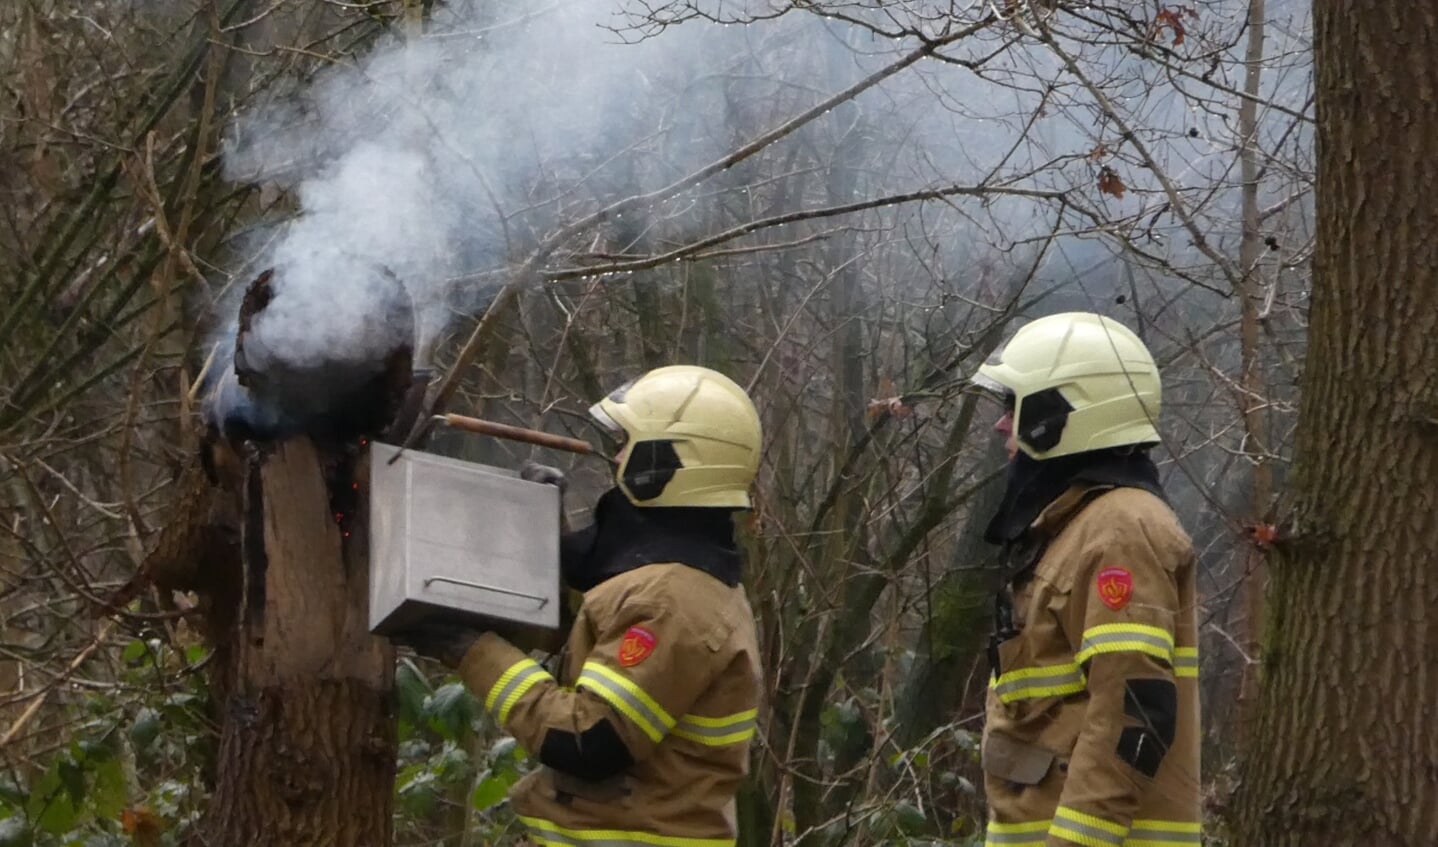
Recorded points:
(636, 646)
(1115, 587)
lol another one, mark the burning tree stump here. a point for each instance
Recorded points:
(303, 693)
(307, 750)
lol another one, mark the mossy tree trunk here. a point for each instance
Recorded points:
(1343, 751)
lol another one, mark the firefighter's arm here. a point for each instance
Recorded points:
(641, 676)
(1121, 617)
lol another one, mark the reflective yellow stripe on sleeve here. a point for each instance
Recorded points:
(1125, 638)
(1185, 662)
(1031, 683)
(718, 731)
(629, 699)
(513, 684)
(1027, 834)
(549, 833)
(1150, 833)
(1093, 832)
(1088, 830)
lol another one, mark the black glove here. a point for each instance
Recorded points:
(532, 471)
(442, 641)
(546, 475)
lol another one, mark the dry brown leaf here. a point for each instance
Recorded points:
(1170, 19)
(1109, 182)
(143, 826)
(1264, 534)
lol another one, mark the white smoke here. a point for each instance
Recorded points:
(444, 159)
(441, 159)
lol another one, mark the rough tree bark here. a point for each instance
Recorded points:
(307, 748)
(1343, 753)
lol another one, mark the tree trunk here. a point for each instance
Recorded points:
(307, 748)
(1343, 753)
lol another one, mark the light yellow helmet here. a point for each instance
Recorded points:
(1079, 381)
(692, 438)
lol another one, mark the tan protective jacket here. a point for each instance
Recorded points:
(1092, 732)
(669, 655)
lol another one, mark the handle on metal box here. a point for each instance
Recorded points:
(543, 601)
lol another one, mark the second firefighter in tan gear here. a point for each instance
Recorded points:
(643, 734)
(1092, 730)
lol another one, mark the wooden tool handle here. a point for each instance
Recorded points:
(516, 433)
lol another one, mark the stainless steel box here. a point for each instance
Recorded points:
(455, 540)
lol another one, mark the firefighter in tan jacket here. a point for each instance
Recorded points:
(1092, 731)
(643, 737)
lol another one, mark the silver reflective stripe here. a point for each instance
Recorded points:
(1090, 830)
(717, 732)
(1185, 661)
(505, 697)
(1145, 833)
(1068, 828)
(1031, 834)
(1026, 683)
(1125, 639)
(618, 695)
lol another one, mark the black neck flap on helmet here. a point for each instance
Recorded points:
(624, 537)
(1033, 484)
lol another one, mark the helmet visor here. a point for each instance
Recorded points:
(597, 412)
(990, 387)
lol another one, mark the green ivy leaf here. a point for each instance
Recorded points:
(450, 711)
(145, 729)
(505, 750)
(454, 765)
(490, 791)
(51, 805)
(419, 790)
(408, 775)
(92, 751)
(72, 777)
(909, 819)
(412, 688)
(107, 794)
(134, 652)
